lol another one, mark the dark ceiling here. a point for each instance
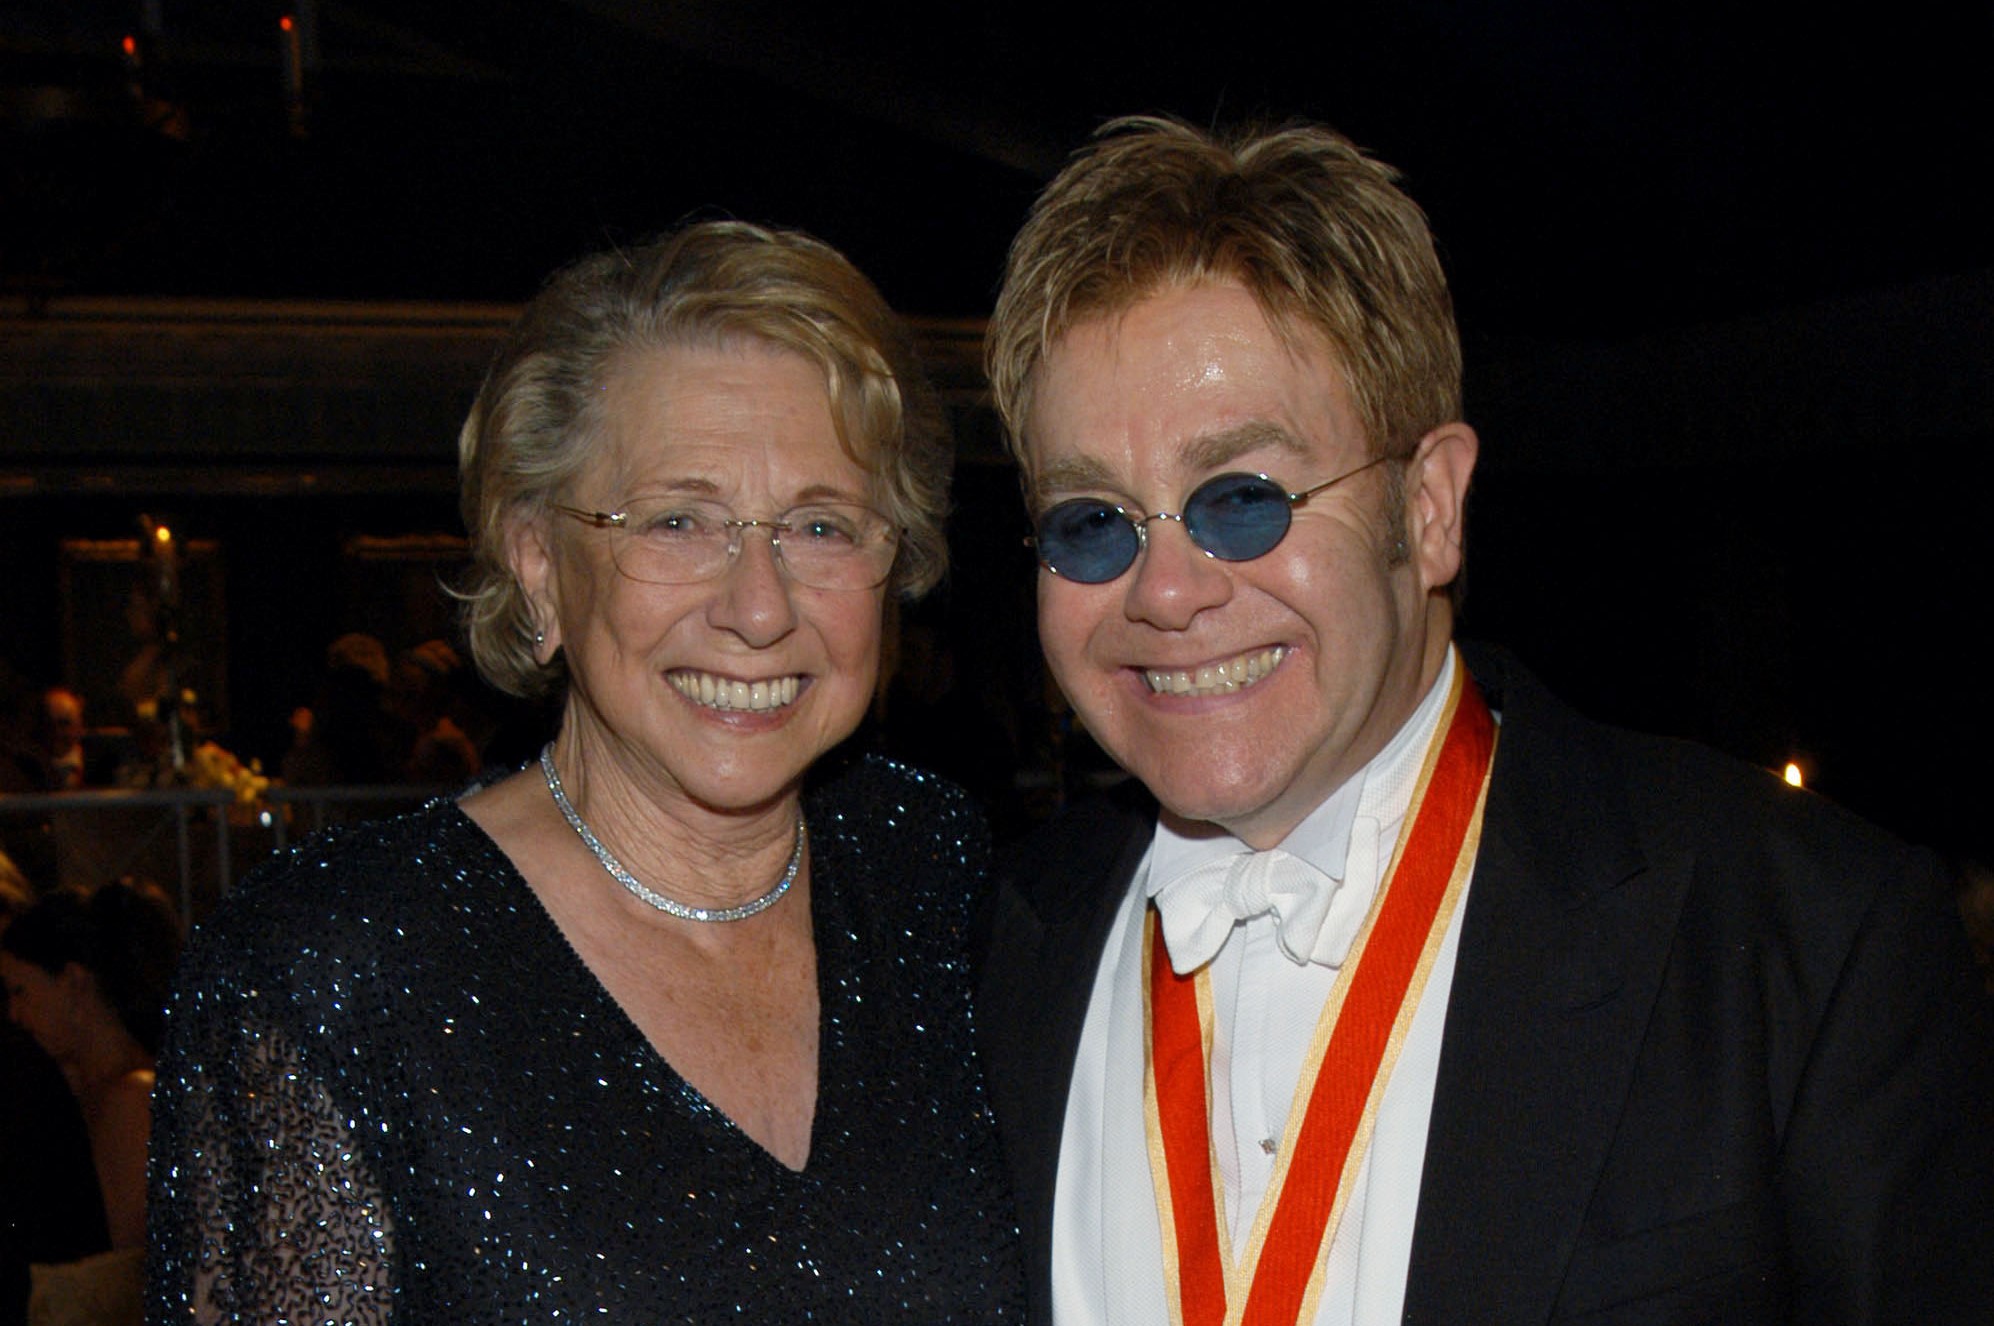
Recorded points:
(1593, 169)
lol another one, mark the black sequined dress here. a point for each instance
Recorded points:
(392, 1092)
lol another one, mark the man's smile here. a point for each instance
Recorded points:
(1221, 678)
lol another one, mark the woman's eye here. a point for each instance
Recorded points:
(823, 526)
(677, 523)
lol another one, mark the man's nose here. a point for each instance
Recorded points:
(1173, 579)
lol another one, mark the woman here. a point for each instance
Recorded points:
(648, 1029)
(86, 976)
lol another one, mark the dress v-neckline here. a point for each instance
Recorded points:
(585, 979)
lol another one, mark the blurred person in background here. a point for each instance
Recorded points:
(61, 740)
(86, 976)
(429, 686)
(348, 735)
(50, 1207)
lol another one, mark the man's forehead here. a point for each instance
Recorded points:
(1075, 471)
(1164, 369)
(1302, 337)
(1106, 339)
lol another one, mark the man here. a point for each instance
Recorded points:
(61, 740)
(1397, 991)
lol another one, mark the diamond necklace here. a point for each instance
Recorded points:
(669, 906)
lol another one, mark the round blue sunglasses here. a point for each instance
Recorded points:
(1233, 517)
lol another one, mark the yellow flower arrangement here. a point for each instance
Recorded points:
(211, 766)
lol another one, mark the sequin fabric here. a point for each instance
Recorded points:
(392, 1093)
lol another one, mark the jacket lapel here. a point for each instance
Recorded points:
(1562, 949)
(1039, 945)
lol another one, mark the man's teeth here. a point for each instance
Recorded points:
(727, 693)
(1216, 678)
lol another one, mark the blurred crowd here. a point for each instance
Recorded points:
(415, 717)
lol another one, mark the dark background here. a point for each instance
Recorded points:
(1723, 272)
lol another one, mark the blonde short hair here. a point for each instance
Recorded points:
(1319, 233)
(538, 419)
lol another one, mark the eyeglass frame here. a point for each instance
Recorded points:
(616, 522)
(1141, 524)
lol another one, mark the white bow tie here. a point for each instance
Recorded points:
(1199, 908)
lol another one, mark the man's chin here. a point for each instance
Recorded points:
(1230, 806)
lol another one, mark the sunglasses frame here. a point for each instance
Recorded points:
(1140, 524)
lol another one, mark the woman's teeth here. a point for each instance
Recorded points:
(726, 693)
(1216, 678)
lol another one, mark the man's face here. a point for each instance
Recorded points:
(65, 721)
(1243, 693)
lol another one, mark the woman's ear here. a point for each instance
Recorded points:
(529, 552)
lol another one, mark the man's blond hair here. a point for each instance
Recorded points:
(1319, 233)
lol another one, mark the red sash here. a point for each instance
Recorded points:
(1356, 1042)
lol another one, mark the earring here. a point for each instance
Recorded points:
(539, 638)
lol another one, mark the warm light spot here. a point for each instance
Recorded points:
(285, 23)
(130, 44)
(161, 534)
(1792, 774)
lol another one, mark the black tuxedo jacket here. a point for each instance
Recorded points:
(1714, 1051)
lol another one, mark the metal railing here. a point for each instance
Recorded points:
(113, 827)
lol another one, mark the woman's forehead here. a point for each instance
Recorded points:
(717, 420)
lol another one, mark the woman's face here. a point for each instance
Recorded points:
(748, 425)
(38, 1004)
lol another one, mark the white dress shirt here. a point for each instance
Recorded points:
(1107, 1256)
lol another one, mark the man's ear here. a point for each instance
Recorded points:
(1437, 495)
(529, 552)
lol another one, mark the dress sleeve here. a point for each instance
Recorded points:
(264, 1203)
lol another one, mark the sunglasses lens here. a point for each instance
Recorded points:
(1237, 517)
(1086, 540)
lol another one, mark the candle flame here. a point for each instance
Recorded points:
(162, 534)
(1793, 774)
(285, 23)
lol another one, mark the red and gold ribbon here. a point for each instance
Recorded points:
(1357, 1040)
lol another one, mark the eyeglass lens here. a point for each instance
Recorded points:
(829, 546)
(1234, 517)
